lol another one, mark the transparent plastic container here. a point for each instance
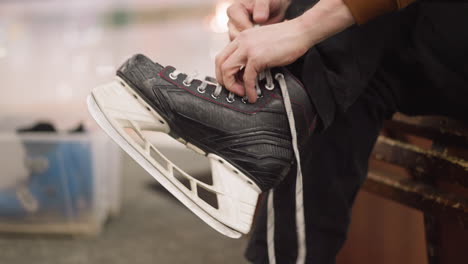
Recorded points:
(58, 183)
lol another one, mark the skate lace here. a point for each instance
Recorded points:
(300, 218)
(230, 98)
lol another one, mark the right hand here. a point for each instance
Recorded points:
(244, 14)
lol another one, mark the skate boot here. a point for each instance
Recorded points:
(249, 146)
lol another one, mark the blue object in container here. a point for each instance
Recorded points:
(60, 182)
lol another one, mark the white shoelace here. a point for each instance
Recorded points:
(300, 218)
(217, 92)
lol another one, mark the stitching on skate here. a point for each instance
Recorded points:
(161, 74)
(250, 132)
(256, 156)
(230, 141)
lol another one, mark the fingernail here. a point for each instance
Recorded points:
(261, 17)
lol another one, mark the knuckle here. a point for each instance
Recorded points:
(242, 38)
(243, 35)
(232, 10)
(232, 35)
(252, 54)
(233, 7)
(224, 68)
(256, 58)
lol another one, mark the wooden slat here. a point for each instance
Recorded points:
(437, 135)
(441, 123)
(442, 129)
(421, 162)
(417, 195)
(427, 167)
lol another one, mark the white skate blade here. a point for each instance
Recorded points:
(116, 107)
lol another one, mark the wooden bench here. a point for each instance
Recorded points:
(422, 162)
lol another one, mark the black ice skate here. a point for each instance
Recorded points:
(249, 146)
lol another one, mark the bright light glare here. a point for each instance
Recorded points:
(219, 21)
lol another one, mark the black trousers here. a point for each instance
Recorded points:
(423, 72)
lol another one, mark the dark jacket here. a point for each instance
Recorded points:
(336, 71)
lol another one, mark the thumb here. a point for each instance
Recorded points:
(261, 11)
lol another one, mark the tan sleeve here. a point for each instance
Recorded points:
(365, 10)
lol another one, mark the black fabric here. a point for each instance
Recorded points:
(334, 167)
(337, 70)
(38, 127)
(424, 71)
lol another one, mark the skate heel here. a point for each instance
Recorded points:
(236, 195)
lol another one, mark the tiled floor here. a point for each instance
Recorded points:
(51, 54)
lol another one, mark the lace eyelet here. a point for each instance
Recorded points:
(270, 87)
(186, 84)
(215, 97)
(259, 96)
(243, 100)
(201, 90)
(172, 76)
(230, 100)
(279, 75)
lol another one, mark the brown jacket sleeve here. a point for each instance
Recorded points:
(365, 10)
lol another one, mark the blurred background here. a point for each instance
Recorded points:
(53, 52)
(67, 193)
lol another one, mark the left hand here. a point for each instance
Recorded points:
(259, 48)
(243, 14)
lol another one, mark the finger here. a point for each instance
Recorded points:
(261, 11)
(229, 69)
(274, 19)
(237, 88)
(233, 32)
(221, 58)
(250, 75)
(239, 16)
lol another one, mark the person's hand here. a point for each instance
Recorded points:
(259, 48)
(243, 14)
